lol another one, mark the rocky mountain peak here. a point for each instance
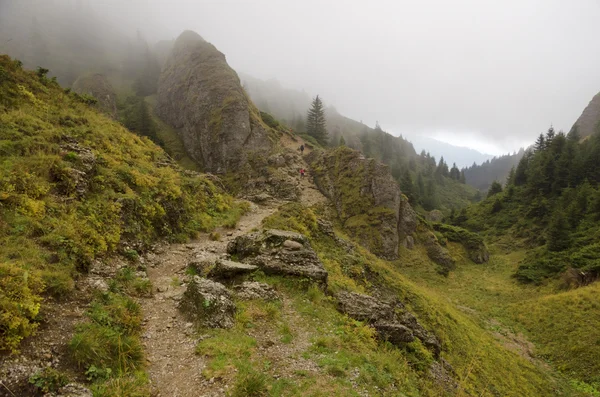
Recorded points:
(589, 121)
(201, 97)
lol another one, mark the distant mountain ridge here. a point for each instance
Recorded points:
(462, 156)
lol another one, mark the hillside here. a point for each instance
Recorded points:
(548, 212)
(77, 188)
(425, 186)
(497, 169)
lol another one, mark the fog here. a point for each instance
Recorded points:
(490, 75)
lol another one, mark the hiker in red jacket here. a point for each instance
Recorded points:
(301, 172)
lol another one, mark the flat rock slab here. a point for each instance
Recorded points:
(225, 269)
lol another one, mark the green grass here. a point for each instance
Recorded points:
(74, 185)
(445, 305)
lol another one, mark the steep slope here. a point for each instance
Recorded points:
(548, 212)
(76, 186)
(589, 121)
(201, 97)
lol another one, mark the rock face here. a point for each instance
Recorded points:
(589, 121)
(98, 86)
(279, 252)
(254, 290)
(392, 322)
(438, 254)
(201, 97)
(208, 304)
(367, 199)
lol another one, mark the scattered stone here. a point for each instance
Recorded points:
(435, 216)
(254, 290)
(443, 374)
(208, 303)
(292, 245)
(72, 390)
(225, 269)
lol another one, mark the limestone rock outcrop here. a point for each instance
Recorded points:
(392, 322)
(589, 121)
(201, 97)
(279, 252)
(98, 86)
(249, 290)
(367, 199)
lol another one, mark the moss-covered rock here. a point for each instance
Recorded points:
(367, 199)
(98, 86)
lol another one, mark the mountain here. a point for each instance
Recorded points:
(481, 176)
(219, 125)
(461, 156)
(416, 173)
(589, 122)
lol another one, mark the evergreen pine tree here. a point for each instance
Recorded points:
(315, 122)
(540, 143)
(463, 178)
(557, 235)
(342, 141)
(407, 186)
(495, 188)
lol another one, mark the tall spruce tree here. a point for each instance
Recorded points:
(315, 122)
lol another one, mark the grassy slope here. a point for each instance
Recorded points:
(563, 325)
(484, 367)
(47, 230)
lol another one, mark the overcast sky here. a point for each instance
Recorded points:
(486, 74)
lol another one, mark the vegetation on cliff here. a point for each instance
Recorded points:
(74, 186)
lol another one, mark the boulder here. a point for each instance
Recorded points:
(224, 269)
(292, 245)
(201, 97)
(249, 290)
(395, 333)
(364, 307)
(208, 303)
(435, 216)
(429, 340)
(272, 252)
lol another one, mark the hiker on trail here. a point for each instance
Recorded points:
(302, 148)
(301, 172)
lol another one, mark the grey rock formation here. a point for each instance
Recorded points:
(367, 199)
(364, 307)
(393, 332)
(208, 304)
(435, 216)
(98, 86)
(72, 390)
(589, 121)
(224, 269)
(254, 290)
(438, 254)
(391, 321)
(201, 97)
(75, 180)
(267, 250)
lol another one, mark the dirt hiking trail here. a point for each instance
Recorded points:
(170, 340)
